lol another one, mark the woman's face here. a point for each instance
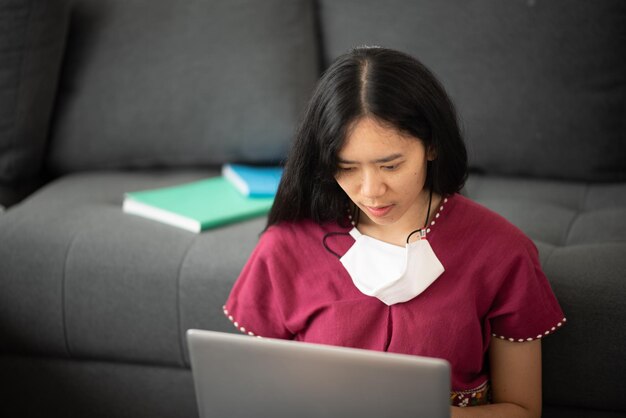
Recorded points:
(383, 172)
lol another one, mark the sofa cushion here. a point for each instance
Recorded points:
(162, 83)
(580, 231)
(540, 85)
(32, 40)
(107, 285)
(95, 389)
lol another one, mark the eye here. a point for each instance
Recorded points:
(389, 167)
(345, 169)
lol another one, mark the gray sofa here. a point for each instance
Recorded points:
(100, 97)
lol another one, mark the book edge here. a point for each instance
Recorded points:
(134, 207)
(231, 175)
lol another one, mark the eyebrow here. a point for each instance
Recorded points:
(378, 160)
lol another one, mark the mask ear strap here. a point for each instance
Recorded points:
(328, 235)
(422, 233)
(422, 230)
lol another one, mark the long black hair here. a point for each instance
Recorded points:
(390, 86)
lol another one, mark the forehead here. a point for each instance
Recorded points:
(369, 137)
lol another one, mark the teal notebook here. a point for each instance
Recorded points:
(196, 206)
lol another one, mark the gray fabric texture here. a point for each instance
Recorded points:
(41, 387)
(7, 195)
(32, 40)
(162, 83)
(558, 213)
(11, 193)
(588, 357)
(108, 285)
(540, 85)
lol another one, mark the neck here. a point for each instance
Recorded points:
(396, 233)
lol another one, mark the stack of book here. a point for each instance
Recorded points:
(241, 192)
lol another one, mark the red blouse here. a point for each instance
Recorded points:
(293, 288)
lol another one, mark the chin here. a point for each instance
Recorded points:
(382, 221)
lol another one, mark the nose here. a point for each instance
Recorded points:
(372, 185)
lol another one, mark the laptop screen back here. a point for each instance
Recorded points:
(241, 376)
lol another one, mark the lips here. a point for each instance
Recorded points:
(378, 211)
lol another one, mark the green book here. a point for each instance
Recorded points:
(196, 206)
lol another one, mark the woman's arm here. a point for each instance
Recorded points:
(515, 382)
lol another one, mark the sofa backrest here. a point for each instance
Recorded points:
(32, 42)
(160, 83)
(540, 85)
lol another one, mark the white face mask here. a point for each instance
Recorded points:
(390, 273)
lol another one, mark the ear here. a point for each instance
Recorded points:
(431, 153)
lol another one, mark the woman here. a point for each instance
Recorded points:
(370, 245)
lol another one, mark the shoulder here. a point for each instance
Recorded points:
(298, 229)
(292, 235)
(288, 250)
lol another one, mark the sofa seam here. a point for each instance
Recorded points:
(579, 211)
(566, 234)
(63, 294)
(179, 323)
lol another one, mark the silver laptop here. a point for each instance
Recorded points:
(238, 376)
